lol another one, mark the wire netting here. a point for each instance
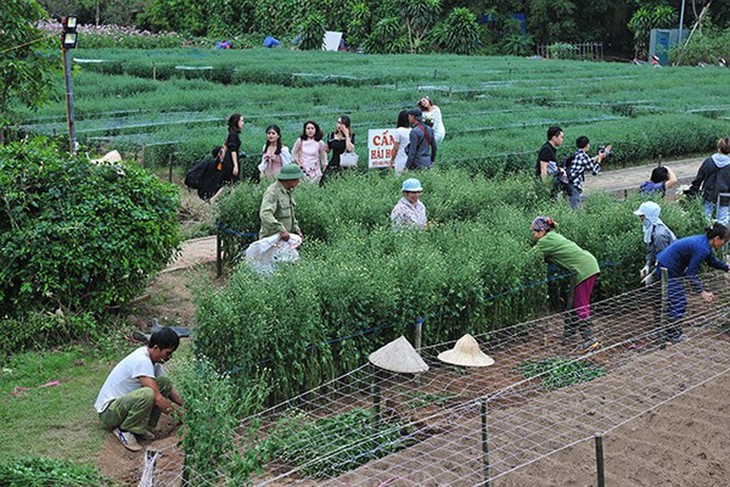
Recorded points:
(472, 426)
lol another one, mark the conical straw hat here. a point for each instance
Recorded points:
(466, 352)
(398, 356)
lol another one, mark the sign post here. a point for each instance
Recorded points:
(381, 143)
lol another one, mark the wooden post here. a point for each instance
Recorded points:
(154, 72)
(375, 388)
(418, 333)
(600, 472)
(142, 155)
(485, 442)
(218, 255)
(169, 162)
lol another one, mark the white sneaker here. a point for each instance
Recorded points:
(127, 439)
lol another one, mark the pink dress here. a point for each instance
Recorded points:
(309, 154)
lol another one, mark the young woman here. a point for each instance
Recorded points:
(233, 145)
(274, 155)
(565, 253)
(310, 153)
(662, 178)
(402, 131)
(432, 117)
(683, 259)
(340, 141)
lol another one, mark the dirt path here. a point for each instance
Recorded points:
(630, 178)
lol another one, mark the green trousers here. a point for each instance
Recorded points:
(136, 412)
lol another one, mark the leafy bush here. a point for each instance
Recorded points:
(44, 330)
(388, 37)
(327, 447)
(703, 48)
(39, 471)
(459, 33)
(78, 236)
(562, 50)
(559, 372)
(312, 31)
(213, 409)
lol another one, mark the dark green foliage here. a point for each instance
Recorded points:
(459, 33)
(42, 472)
(40, 331)
(388, 37)
(559, 372)
(26, 68)
(78, 236)
(703, 48)
(213, 410)
(312, 31)
(327, 447)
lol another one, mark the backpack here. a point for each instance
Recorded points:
(194, 176)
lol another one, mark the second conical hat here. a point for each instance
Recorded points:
(398, 356)
(466, 352)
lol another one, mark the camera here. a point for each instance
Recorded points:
(603, 150)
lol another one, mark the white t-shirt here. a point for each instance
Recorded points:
(124, 378)
(401, 134)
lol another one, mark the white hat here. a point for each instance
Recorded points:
(398, 356)
(466, 352)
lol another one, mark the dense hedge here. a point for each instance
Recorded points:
(357, 278)
(76, 236)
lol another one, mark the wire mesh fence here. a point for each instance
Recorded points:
(482, 426)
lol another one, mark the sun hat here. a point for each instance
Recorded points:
(416, 112)
(398, 356)
(412, 185)
(648, 208)
(466, 352)
(289, 172)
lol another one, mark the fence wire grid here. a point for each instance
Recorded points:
(479, 426)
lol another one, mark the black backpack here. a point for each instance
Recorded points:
(194, 176)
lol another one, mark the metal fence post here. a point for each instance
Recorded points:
(485, 442)
(600, 472)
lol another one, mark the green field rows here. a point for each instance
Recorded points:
(496, 109)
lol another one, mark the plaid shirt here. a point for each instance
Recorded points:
(581, 163)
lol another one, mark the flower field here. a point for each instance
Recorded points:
(496, 109)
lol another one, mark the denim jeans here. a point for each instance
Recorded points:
(722, 212)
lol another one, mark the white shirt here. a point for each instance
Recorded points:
(401, 136)
(436, 122)
(124, 378)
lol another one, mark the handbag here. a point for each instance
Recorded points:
(349, 159)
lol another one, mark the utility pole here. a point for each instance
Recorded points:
(68, 42)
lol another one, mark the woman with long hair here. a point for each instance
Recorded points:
(231, 167)
(340, 141)
(402, 131)
(274, 155)
(432, 117)
(310, 152)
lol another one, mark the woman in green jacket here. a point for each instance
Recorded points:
(565, 253)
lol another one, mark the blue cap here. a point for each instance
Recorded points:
(412, 185)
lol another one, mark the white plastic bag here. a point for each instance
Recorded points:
(264, 255)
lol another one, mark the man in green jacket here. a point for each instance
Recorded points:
(277, 211)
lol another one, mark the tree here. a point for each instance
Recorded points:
(27, 64)
(645, 19)
(419, 17)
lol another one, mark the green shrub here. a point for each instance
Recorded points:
(78, 236)
(39, 471)
(213, 410)
(327, 447)
(312, 31)
(559, 372)
(459, 33)
(44, 330)
(703, 48)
